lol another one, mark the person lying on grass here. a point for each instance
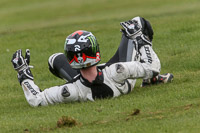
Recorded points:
(86, 80)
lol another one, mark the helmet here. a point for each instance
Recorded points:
(82, 50)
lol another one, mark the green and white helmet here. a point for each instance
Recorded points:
(82, 49)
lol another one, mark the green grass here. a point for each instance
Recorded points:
(42, 26)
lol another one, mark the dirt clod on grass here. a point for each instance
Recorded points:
(135, 112)
(26, 130)
(66, 121)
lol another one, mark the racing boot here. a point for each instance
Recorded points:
(165, 78)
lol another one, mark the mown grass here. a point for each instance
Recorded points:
(42, 26)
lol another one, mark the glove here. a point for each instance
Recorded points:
(131, 29)
(21, 65)
(139, 30)
(136, 27)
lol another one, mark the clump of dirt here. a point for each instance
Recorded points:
(26, 130)
(135, 112)
(188, 106)
(66, 121)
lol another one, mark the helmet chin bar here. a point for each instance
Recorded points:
(88, 63)
(84, 61)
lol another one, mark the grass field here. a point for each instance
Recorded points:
(42, 26)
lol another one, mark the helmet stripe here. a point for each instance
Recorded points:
(80, 32)
(94, 44)
(90, 38)
(71, 61)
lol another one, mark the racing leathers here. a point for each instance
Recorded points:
(111, 81)
(134, 59)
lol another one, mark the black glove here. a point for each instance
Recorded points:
(21, 65)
